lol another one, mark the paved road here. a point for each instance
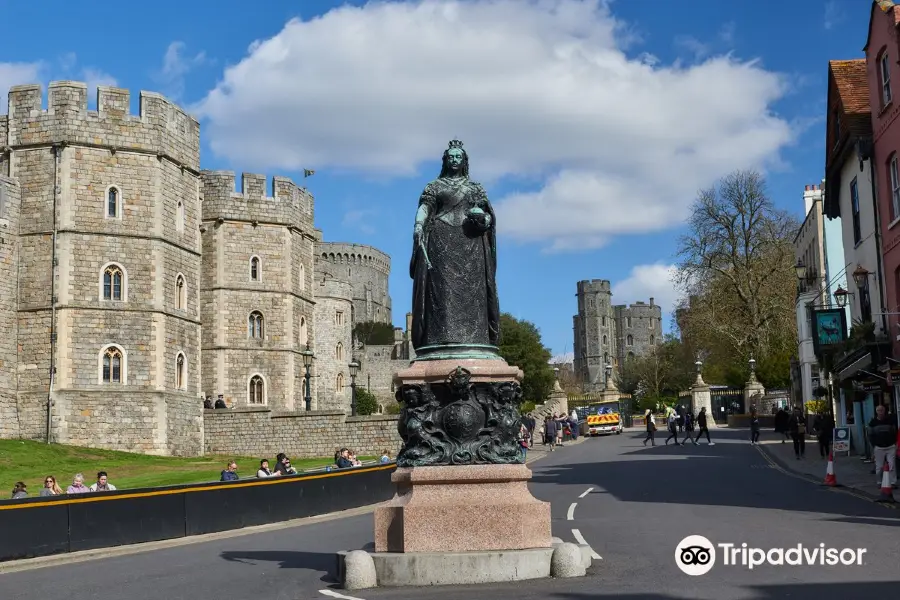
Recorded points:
(642, 502)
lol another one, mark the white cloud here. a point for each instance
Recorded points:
(94, 77)
(359, 219)
(175, 68)
(566, 357)
(16, 74)
(537, 89)
(648, 281)
(832, 15)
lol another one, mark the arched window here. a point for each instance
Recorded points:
(629, 341)
(302, 282)
(257, 390)
(630, 356)
(180, 372)
(339, 383)
(180, 292)
(112, 365)
(606, 358)
(604, 340)
(179, 217)
(652, 339)
(254, 268)
(113, 203)
(339, 352)
(255, 325)
(113, 282)
(304, 332)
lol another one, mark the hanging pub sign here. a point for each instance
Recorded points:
(829, 328)
(870, 386)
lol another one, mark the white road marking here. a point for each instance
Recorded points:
(570, 516)
(589, 490)
(582, 541)
(334, 594)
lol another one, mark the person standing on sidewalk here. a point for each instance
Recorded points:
(704, 427)
(798, 432)
(883, 432)
(823, 427)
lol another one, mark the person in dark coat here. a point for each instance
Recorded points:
(782, 424)
(551, 428)
(797, 426)
(823, 427)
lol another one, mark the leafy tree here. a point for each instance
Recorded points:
(736, 275)
(366, 402)
(629, 379)
(521, 345)
(372, 333)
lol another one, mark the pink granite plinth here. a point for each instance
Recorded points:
(436, 371)
(462, 509)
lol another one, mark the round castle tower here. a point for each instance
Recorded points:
(368, 271)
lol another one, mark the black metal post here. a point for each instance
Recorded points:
(308, 391)
(353, 395)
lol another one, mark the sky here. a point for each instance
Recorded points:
(592, 124)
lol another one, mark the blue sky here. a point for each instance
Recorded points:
(592, 127)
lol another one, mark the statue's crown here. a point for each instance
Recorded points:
(455, 144)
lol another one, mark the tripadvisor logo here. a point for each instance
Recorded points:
(696, 555)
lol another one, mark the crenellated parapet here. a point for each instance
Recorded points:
(341, 253)
(285, 204)
(161, 127)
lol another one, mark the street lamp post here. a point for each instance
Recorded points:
(800, 269)
(752, 362)
(354, 369)
(308, 358)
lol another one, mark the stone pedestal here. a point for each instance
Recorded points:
(753, 394)
(701, 397)
(462, 509)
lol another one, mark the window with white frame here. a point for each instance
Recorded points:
(339, 317)
(339, 383)
(257, 390)
(113, 287)
(884, 66)
(112, 365)
(256, 325)
(895, 187)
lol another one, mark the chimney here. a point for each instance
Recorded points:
(651, 300)
(811, 195)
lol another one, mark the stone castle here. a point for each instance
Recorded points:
(134, 285)
(608, 334)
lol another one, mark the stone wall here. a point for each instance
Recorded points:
(9, 261)
(367, 270)
(638, 329)
(595, 332)
(264, 433)
(334, 344)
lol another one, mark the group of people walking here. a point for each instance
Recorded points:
(679, 419)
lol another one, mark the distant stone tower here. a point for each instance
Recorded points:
(334, 341)
(638, 328)
(256, 292)
(367, 269)
(9, 262)
(594, 334)
(108, 323)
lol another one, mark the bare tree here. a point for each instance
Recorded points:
(737, 262)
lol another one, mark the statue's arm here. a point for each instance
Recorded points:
(485, 205)
(427, 202)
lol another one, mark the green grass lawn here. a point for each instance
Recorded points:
(30, 462)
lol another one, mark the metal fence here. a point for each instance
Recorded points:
(726, 401)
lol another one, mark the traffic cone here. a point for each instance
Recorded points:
(830, 479)
(887, 491)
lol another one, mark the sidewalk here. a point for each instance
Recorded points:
(850, 471)
(539, 451)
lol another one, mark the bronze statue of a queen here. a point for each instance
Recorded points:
(456, 313)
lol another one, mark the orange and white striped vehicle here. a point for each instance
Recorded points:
(603, 418)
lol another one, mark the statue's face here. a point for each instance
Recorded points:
(455, 159)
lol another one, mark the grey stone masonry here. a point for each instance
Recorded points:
(107, 192)
(9, 261)
(367, 269)
(257, 264)
(264, 433)
(639, 328)
(594, 333)
(334, 344)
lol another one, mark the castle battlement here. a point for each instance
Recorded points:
(341, 253)
(594, 286)
(286, 203)
(161, 127)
